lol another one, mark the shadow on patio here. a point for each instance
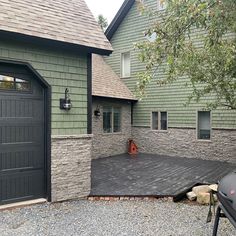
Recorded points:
(153, 175)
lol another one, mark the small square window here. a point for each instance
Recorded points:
(161, 4)
(204, 125)
(159, 120)
(125, 64)
(163, 120)
(116, 120)
(107, 120)
(111, 120)
(155, 120)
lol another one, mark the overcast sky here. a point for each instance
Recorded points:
(108, 8)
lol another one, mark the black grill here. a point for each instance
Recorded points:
(227, 199)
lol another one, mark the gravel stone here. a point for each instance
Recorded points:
(111, 218)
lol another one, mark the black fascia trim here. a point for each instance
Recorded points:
(121, 14)
(53, 44)
(116, 99)
(89, 93)
(47, 89)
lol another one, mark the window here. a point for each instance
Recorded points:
(161, 4)
(163, 121)
(125, 64)
(11, 83)
(111, 120)
(204, 125)
(159, 120)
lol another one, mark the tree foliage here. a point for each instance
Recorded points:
(102, 21)
(210, 65)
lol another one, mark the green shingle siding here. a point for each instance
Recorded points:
(61, 70)
(170, 98)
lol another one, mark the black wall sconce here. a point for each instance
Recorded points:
(97, 112)
(65, 103)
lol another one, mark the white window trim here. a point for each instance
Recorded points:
(121, 65)
(112, 120)
(159, 122)
(203, 140)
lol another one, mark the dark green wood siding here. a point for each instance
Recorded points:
(61, 70)
(169, 98)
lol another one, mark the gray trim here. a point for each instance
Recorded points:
(53, 44)
(121, 14)
(89, 93)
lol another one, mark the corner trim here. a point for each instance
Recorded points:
(89, 93)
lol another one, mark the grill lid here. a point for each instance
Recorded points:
(227, 194)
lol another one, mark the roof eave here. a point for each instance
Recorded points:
(117, 98)
(55, 44)
(123, 11)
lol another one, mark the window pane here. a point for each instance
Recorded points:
(23, 86)
(117, 120)
(10, 83)
(154, 120)
(6, 82)
(204, 125)
(125, 62)
(163, 120)
(107, 119)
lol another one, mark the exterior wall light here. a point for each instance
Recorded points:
(65, 103)
(97, 112)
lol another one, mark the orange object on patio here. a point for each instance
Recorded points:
(132, 147)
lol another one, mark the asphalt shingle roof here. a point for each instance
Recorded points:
(60, 20)
(106, 83)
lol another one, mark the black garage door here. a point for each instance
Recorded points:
(22, 136)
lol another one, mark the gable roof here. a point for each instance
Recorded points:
(121, 14)
(106, 83)
(59, 20)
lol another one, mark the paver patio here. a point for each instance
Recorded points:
(152, 175)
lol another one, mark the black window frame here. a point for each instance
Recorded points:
(157, 126)
(112, 120)
(204, 134)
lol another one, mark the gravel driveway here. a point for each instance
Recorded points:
(159, 218)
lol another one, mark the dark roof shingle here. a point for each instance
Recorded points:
(106, 83)
(60, 20)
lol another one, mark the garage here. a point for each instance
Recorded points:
(23, 147)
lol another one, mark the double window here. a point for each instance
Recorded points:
(11, 83)
(111, 119)
(204, 125)
(159, 120)
(125, 64)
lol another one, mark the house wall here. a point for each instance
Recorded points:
(105, 145)
(71, 147)
(183, 143)
(170, 98)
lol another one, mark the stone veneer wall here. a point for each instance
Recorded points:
(183, 143)
(71, 167)
(105, 145)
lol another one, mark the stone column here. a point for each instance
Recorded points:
(71, 167)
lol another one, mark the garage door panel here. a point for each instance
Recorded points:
(13, 107)
(21, 186)
(21, 133)
(21, 159)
